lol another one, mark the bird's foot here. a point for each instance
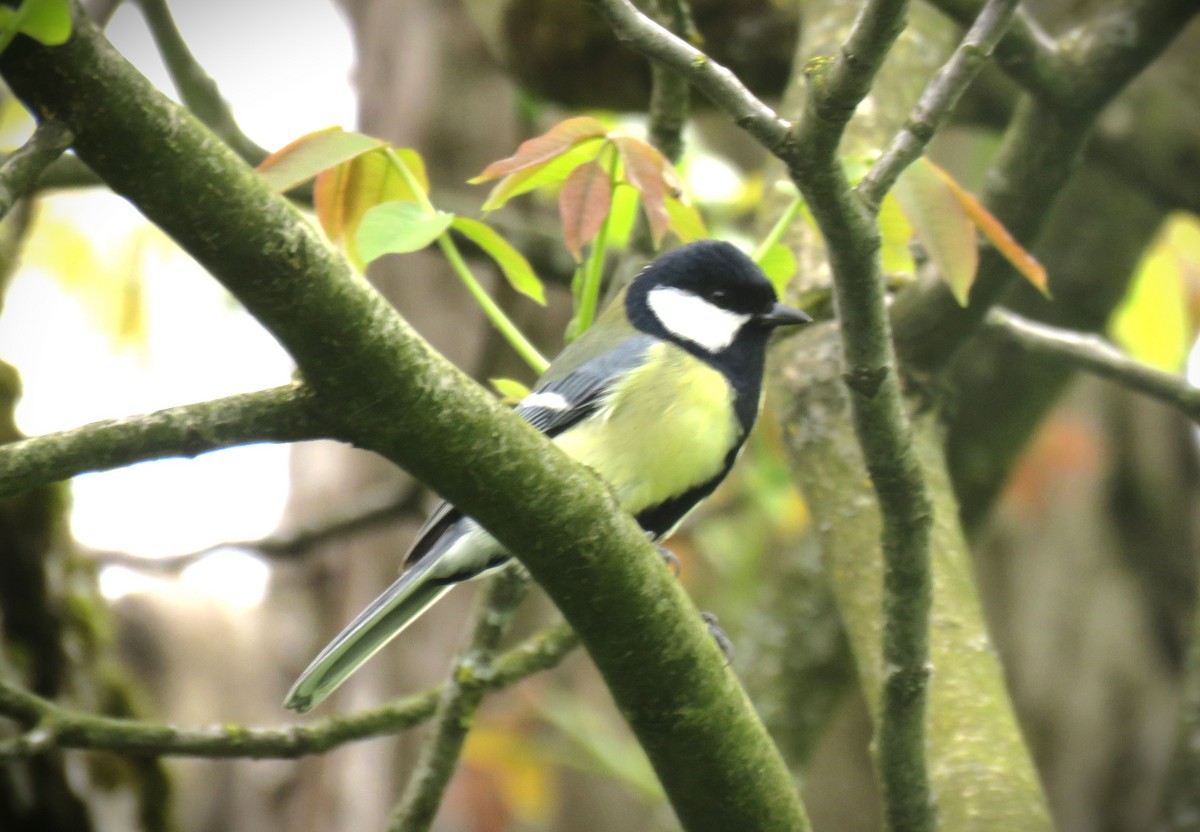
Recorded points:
(670, 558)
(719, 635)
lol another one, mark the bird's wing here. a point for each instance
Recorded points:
(552, 407)
(566, 399)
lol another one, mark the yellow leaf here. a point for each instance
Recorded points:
(942, 224)
(524, 780)
(1157, 321)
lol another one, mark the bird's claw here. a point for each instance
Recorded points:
(719, 635)
(670, 558)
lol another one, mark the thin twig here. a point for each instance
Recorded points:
(938, 100)
(198, 90)
(50, 725)
(281, 414)
(1098, 356)
(1026, 53)
(714, 80)
(459, 701)
(369, 511)
(22, 169)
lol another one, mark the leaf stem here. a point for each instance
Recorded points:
(593, 269)
(528, 352)
(506, 327)
(781, 225)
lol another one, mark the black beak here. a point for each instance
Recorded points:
(780, 315)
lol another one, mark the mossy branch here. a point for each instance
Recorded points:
(281, 414)
(48, 725)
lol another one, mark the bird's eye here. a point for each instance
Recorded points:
(717, 294)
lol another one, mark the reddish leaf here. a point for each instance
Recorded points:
(651, 174)
(994, 230)
(583, 204)
(309, 155)
(942, 225)
(541, 149)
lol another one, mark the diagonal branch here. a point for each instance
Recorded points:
(281, 414)
(1098, 356)
(48, 725)
(717, 82)
(938, 100)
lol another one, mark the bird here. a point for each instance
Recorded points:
(657, 397)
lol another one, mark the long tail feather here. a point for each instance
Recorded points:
(383, 620)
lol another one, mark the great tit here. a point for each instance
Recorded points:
(657, 398)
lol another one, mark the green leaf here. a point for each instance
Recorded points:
(942, 225)
(896, 233)
(512, 263)
(398, 228)
(551, 173)
(686, 221)
(342, 195)
(779, 265)
(309, 155)
(46, 21)
(622, 216)
(511, 390)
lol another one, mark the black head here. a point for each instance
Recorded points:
(708, 297)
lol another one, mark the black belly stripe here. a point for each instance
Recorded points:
(660, 519)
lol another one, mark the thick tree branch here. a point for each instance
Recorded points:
(48, 725)
(22, 169)
(938, 100)
(393, 394)
(281, 414)
(1098, 356)
(460, 699)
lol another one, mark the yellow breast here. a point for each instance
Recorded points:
(664, 429)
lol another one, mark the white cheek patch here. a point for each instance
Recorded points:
(692, 318)
(544, 401)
